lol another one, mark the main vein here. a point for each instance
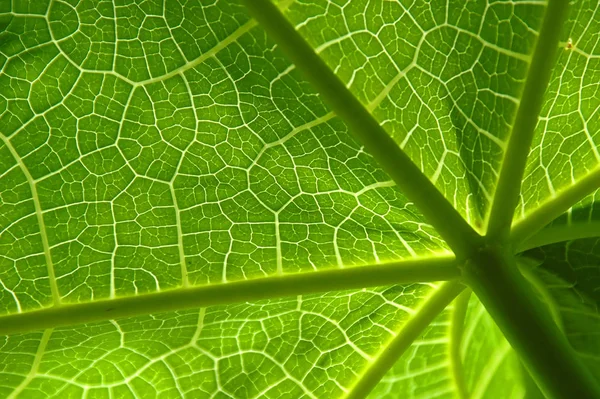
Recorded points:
(555, 206)
(508, 188)
(561, 233)
(439, 268)
(410, 179)
(409, 331)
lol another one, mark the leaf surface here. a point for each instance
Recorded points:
(166, 146)
(174, 169)
(309, 346)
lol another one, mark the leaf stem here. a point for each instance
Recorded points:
(402, 272)
(561, 233)
(507, 192)
(555, 207)
(527, 325)
(410, 331)
(409, 178)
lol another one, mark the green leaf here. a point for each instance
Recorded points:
(283, 200)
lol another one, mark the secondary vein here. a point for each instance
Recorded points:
(40, 220)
